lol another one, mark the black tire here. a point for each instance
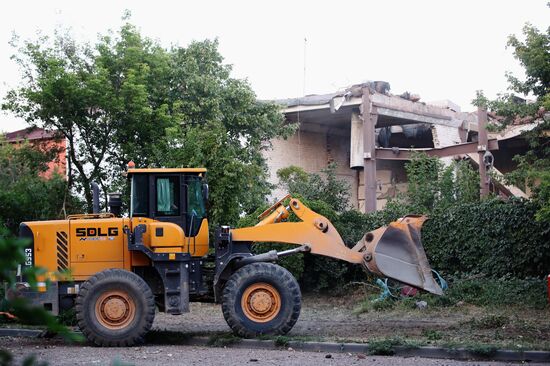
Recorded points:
(259, 274)
(122, 292)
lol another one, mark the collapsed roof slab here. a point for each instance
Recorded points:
(407, 154)
(391, 110)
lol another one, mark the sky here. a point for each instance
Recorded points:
(438, 49)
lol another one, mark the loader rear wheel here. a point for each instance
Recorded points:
(115, 308)
(261, 298)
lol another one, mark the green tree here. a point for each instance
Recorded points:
(98, 97)
(533, 53)
(222, 127)
(127, 98)
(24, 194)
(326, 195)
(433, 186)
(314, 187)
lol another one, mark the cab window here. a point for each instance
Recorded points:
(168, 196)
(195, 205)
(140, 202)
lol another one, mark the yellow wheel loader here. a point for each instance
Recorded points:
(116, 271)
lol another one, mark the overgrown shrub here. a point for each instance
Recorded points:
(491, 237)
(463, 236)
(432, 185)
(492, 292)
(315, 187)
(495, 292)
(24, 194)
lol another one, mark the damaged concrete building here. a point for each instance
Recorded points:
(374, 149)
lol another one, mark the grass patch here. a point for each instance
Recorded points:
(67, 317)
(385, 347)
(223, 340)
(432, 335)
(490, 322)
(529, 293)
(482, 350)
(282, 341)
(373, 303)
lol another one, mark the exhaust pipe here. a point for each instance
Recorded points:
(115, 203)
(95, 198)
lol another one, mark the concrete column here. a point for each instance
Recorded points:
(369, 151)
(356, 141)
(482, 147)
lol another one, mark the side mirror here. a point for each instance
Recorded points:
(205, 191)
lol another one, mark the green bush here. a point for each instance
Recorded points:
(24, 194)
(490, 237)
(432, 185)
(464, 235)
(495, 292)
(527, 293)
(314, 187)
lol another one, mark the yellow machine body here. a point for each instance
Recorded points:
(84, 245)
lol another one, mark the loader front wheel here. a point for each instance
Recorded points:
(261, 298)
(115, 308)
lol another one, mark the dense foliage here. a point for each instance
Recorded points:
(532, 50)
(433, 185)
(316, 187)
(24, 194)
(464, 236)
(533, 170)
(11, 255)
(492, 237)
(127, 98)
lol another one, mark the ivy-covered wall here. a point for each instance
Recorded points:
(491, 237)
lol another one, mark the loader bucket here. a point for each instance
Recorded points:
(396, 252)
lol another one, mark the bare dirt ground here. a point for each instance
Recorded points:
(334, 319)
(55, 352)
(322, 318)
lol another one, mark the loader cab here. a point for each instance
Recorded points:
(171, 195)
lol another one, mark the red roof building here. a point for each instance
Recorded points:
(45, 141)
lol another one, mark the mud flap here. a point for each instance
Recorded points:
(396, 252)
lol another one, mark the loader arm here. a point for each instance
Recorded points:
(393, 251)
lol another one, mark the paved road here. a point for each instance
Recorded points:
(57, 353)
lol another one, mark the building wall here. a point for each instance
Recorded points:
(312, 151)
(59, 164)
(391, 180)
(56, 166)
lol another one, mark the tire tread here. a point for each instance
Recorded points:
(277, 275)
(115, 275)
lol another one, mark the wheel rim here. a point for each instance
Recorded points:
(261, 302)
(115, 309)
